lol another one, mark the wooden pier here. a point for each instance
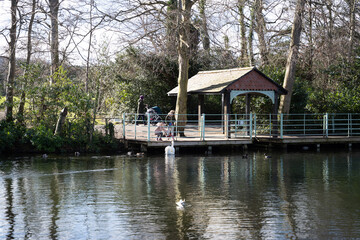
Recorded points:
(140, 139)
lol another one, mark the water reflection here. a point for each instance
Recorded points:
(295, 195)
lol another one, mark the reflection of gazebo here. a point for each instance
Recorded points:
(230, 83)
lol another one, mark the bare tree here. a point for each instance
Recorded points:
(289, 79)
(352, 24)
(260, 29)
(204, 28)
(54, 41)
(184, 56)
(243, 50)
(12, 64)
(251, 36)
(20, 115)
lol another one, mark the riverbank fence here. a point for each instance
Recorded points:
(218, 126)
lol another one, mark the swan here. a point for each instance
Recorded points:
(170, 150)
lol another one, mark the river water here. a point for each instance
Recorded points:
(294, 195)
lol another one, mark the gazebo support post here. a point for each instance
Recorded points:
(200, 108)
(223, 112)
(274, 118)
(247, 112)
(227, 110)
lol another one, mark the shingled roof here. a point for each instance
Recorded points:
(218, 81)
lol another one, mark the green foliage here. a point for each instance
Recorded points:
(11, 136)
(43, 139)
(2, 102)
(342, 93)
(144, 74)
(44, 103)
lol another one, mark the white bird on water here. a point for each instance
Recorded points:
(180, 204)
(170, 150)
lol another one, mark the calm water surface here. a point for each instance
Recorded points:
(297, 195)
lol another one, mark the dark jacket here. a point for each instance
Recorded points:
(141, 106)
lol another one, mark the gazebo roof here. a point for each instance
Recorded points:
(218, 81)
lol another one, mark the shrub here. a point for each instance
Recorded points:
(43, 139)
(11, 136)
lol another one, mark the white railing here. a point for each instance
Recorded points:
(217, 126)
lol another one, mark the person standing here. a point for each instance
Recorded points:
(141, 110)
(170, 120)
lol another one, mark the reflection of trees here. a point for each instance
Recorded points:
(10, 216)
(54, 197)
(293, 194)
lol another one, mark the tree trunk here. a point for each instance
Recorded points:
(89, 49)
(20, 115)
(310, 53)
(61, 121)
(251, 37)
(12, 65)
(204, 30)
(352, 6)
(243, 51)
(54, 41)
(171, 27)
(289, 79)
(260, 30)
(183, 58)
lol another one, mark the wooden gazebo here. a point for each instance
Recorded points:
(230, 83)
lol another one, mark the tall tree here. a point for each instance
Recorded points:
(172, 19)
(289, 79)
(12, 64)
(243, 50)
(20, 115)
(260, 29)
(204, 28)
(54, 40)
(251, 36)
(183, 59)
(352, 24)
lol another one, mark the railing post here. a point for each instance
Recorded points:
(135, 126)
(123, 120)
(270, 120)
(236, 123)
(202, 127)
(304, 124)
(250, 123)
(255, 124)
(327, 124)
(148, 126)
(281, 126)
(348, 125)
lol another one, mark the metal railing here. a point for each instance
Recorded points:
(218, 126)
